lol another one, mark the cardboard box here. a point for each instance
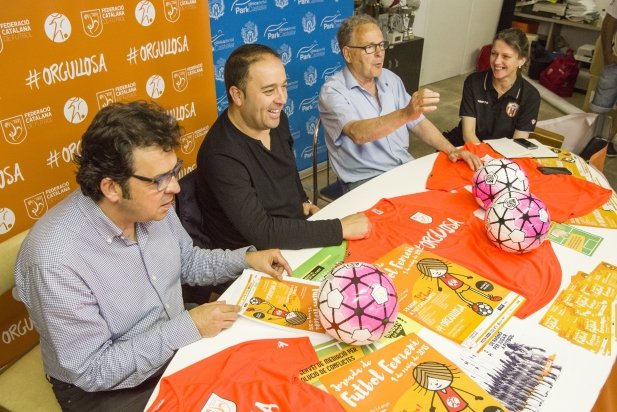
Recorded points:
(546, 137)
(527, 27)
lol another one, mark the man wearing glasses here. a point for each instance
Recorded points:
(101, 272)
(367, 114)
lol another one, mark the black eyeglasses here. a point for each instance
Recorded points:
(163, 180)
(372, 48)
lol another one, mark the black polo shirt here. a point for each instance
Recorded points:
(496, 117)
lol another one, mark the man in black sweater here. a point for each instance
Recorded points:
(248, 187)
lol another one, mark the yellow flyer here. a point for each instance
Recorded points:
(334, 354)
(448, 298)
(286, 303)
(407, 375)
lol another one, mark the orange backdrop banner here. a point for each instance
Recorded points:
(61, 61)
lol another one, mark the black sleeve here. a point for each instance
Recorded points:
(231, 185)
(468, 108)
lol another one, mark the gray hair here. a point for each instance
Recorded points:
(345, 32)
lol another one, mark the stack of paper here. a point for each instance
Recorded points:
(583, 11)
(558, 9)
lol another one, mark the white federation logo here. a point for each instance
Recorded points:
(334, 46)
(309, 22)
(58, 27)
(219, 70)
(217, 9)
(249, 33)
(75, 110)
(155, 86)
(285, 52)
(105, 98)
(310, 76)
(179, 80)
(145, 13)
(36, 205)
(171, 10)
(92, 22)
(289, 108)
(14, 129)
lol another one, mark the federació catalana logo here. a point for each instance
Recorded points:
(92, 22)
(171, 10)
(14, 129)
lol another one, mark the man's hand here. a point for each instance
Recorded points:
(471, 159)
(212, 318)
(356, 226)
(423, 101)
(269, 261)
(309, 208)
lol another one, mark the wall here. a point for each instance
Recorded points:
(454, 31)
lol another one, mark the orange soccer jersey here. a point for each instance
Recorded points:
(565, 196)
(260, 375)
(443, 223)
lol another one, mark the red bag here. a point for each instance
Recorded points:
(560, 76)
(484, 59)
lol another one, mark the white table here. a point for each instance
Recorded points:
(583, 373)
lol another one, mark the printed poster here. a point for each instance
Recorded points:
(448, 298)
(407, 375)
(288, 303)
(335, 354)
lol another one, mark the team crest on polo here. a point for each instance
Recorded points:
(14, 129)
(92, 22)
(309, 22)
(105, 98)
(421, 218)
(217, 9)
(512, 109)
(172, 10)
(179, 80)
(281, 4)
(249, 32)
(310, 76)
(36, 205)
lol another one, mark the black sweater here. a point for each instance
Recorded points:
(249, 195)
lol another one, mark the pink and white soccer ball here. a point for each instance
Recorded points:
(496, 177)
(517, 222)
(357, 303)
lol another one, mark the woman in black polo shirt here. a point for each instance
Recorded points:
(498, 102)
